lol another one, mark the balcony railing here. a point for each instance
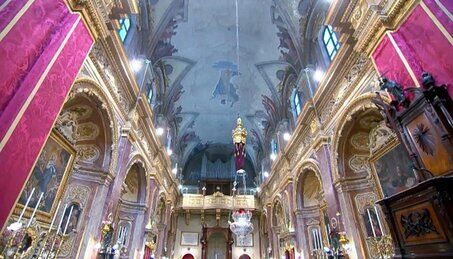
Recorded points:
(218, 201)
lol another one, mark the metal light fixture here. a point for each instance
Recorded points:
(241, 224)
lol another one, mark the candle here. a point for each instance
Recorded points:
(26, 204)
(371, 222)
(315, 244)
(120, 236)
(378, 220)
(67, 221)
(124, 235)
(62, 216)
(54, 216)
(34, 211)
(318, 244)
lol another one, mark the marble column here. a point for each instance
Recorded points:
(330, 194)
(302, 243)
(94, 220)
(162, 236)
(124, 150)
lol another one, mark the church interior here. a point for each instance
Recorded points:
(226, 129)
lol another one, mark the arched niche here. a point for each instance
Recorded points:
(134, 185)
(309, 191)
(311, 201)
(367, 155)
(86, 122)
(278, 215)
(354, 144)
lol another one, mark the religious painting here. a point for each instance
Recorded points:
(189, 238)
(72, 212)
(244, 241)
(372, 226)
(225, 90)
(49, 175)
(394, 171)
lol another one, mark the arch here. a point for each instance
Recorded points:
(188, 256)
(91, 89)
(135, 184)
(278, 217)
(244, 256)
(360, 103)
(136, 158)
(308, 165)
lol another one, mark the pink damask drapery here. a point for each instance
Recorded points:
(421, 43)
(41, 54)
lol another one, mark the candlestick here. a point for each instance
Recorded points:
(61, 219)
(54, 216)
(36, 208)
(26, 204)
(371, 222)
(378, 220)
(67, 221)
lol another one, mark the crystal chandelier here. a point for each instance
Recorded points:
(241, 225)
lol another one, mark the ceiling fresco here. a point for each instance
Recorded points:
(204, 86)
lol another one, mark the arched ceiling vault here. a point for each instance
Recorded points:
(193, 50)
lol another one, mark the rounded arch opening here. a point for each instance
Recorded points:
(309, 190)
(134, 185)
(86, 123)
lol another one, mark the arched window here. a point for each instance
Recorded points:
(297, 104)
(330, 41)
(125, 25)
(274, 147)
(150, 93)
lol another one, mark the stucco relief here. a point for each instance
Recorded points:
(364, 200)
(87, 131)
(88, 153)
(369, 122)
(67, 122)
(361, 141)
(359, 163)
(380, 136)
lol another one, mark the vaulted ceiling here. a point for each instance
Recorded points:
(206, 83)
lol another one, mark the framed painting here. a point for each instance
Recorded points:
(189, 238)
(48, 176)
(392, 168)
(244, 241)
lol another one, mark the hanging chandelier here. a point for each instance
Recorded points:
(241, 225)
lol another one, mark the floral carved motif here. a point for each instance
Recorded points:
(424, 139)
(88, 153)
(418, 223)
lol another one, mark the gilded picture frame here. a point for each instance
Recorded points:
(380, 169)
(57, 159)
